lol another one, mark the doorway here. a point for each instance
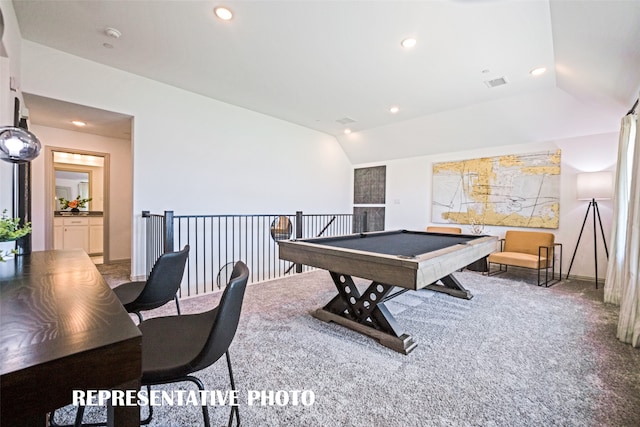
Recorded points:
(77, 207)
(108, 134)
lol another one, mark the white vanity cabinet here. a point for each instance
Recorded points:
(76, 232)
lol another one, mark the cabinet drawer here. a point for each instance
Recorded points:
(76, 221)
(95, 220)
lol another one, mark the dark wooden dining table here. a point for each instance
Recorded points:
(62, 329)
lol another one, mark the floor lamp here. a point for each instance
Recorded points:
(593, 186)
(19, 146)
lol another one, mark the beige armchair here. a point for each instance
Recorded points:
(528, 249)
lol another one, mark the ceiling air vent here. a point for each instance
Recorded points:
(345, 120)
(496, 82)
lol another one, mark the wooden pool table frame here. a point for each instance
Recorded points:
(365, 312)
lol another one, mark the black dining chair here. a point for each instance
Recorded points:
(160, 288)
(175, 347)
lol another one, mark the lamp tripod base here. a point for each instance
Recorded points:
(596, 213)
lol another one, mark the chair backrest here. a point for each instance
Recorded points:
(226, 320)
(450, 230)
(527, 241)
(164, 280)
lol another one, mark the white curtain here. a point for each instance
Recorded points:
(629, 323)
(615, 267)
(624, 283)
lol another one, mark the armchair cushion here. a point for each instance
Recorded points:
(518, 259)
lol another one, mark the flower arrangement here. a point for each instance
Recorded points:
(11, 230)
(76, 203)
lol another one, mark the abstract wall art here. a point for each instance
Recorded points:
(518, 190)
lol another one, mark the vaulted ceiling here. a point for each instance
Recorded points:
(332, 65)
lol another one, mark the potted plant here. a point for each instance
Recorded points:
(74, 204)
(10, 230)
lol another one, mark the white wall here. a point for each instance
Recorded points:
(10, 48)
(409, 193)
(9, 68)
(120, 218)
(195, 155)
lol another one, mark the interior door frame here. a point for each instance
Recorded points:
(49, 192)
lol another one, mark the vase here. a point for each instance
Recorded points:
(75, 210)
(6, 250)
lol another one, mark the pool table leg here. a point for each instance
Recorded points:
(365, 313)
(451, 286)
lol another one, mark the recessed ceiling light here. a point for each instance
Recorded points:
(347, 131)
(538, 71)
(408, 43)
(394, 109)
(79, 123)
(223, 13)
(113, 32)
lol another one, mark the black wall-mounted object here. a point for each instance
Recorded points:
(21, 187)
(369, 188)
(16, 112)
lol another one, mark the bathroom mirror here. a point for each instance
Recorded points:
(71, 184)
(78, 175)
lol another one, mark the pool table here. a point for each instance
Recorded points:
(409, 260)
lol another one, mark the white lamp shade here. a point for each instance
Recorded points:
(594, 185)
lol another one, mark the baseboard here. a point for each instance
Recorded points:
(584, 278)
(117, 261)
(564, 276)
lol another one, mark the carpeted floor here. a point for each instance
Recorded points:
(115, 272)
(514, 355)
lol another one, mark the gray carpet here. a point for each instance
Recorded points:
(115, 272)
(514, 355)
